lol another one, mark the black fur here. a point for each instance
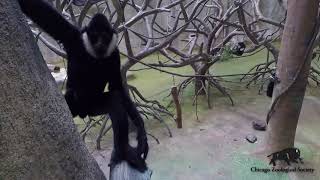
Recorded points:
(215, 51)
(270, 88)
(273, 80)
(238, 49)
(88, 75)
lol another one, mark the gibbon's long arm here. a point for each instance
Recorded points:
(134, 116)
(48, 19)
(116, 84)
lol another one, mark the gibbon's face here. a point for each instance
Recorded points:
(99, 38)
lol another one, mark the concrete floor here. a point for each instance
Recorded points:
(216, 149)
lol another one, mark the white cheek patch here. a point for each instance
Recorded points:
(89, 48)
(112, 46)
(88, 45)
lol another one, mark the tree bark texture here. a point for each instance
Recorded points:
(296, 39)
(200, 69)
(38, 139)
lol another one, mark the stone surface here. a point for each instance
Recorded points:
(251, 138)
(123, 171)
(259, 125)
(38, 138)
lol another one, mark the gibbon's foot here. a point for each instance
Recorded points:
(143, 147)
(131, 156)
(115, 159)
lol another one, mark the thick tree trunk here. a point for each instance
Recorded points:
(38, 139)
(297, 35)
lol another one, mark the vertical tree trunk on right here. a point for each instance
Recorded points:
(296, 39)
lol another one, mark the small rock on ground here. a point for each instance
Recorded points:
(259, 125)
(251, 138)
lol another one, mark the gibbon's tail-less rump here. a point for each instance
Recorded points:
(94, 62)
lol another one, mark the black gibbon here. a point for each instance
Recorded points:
(238, 49)
(270, 88)
(273, 79)
(215, 51)
(94, 61)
